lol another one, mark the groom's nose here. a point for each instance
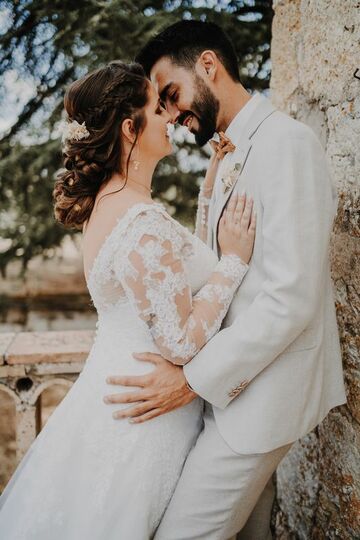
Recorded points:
(173, 112)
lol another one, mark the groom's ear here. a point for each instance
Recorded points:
(128, 131)
(208, 63)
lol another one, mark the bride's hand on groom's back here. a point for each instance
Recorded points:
(237, 226)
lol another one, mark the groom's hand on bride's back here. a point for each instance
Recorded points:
(159, 392)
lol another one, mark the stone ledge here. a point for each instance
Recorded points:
(5, 340)
(12, 371)
(49, 347)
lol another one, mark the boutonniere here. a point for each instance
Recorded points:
(230, 176)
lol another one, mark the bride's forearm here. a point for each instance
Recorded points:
(205, 194)
(209, 180)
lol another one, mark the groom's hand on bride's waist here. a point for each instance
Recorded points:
(159, 392)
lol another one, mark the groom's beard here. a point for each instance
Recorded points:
(205, 107)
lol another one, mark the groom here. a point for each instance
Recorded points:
(274, 371)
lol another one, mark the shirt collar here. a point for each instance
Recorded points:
(240, 120)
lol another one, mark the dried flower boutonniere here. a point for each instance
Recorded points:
(230, 176)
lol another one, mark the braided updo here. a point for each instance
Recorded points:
(102, 99)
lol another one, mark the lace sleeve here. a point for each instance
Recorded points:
(202, 214)
(151, 271)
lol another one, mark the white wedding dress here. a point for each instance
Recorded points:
(156, 287)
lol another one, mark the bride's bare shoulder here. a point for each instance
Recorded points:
(108, 209)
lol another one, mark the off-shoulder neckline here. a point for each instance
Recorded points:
(130, 212)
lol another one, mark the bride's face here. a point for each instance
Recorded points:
(154, 140)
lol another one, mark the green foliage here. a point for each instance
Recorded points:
(50, 43)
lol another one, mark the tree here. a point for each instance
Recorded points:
(50, 43)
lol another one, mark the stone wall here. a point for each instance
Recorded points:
(316, 79)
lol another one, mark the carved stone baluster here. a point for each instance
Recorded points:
(27, 427)
(31, 362)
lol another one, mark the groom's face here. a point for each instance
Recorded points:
(187, 98)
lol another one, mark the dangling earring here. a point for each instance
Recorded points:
(136, 162)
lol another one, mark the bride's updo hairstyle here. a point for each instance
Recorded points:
(99, 102)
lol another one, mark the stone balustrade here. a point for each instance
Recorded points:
(30, 362)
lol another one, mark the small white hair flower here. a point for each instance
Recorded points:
(74, 131)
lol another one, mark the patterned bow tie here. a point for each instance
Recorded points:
(223, 146)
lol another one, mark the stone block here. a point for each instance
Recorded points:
(298, 485)
(5, 339)
(343, 121)
(49, 347)
(7, 371)
(338, 510)
(285, 30)
(327, 50)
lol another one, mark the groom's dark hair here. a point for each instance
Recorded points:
(184, 41)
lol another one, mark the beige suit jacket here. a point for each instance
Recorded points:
(274, 370)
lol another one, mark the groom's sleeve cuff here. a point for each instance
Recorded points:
(196, 386)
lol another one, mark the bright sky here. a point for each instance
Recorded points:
(17, 93)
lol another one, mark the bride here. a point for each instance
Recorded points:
(156, 287)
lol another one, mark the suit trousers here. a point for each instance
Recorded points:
(220, 492)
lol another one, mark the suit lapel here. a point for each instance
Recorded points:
(243, 147)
